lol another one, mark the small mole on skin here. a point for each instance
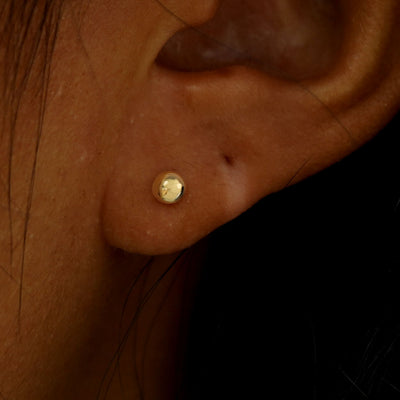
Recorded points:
(228, 159)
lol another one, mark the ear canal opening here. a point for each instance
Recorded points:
(291, 39)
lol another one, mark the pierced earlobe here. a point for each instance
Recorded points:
(278, 131)
(168, 187)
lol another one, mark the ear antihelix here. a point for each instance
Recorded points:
(190, 13)
(261, 34)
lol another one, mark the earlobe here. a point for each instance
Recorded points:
(235, 135)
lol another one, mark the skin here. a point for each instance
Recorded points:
(114, 120)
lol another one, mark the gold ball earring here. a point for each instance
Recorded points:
(168, 187)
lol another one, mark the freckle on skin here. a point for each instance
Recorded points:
(228, 159)
(59, 92)
(83, 157)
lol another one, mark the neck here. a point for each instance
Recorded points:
(154, 326)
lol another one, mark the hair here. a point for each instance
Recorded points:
(28, 35)
(313, 300)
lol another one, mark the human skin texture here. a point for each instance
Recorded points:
(79, 232)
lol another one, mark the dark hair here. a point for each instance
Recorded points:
(29, 30)
(28, 34)
(310, 307)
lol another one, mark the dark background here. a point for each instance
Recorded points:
(300, 297)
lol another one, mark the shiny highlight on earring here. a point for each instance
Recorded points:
(168, 187)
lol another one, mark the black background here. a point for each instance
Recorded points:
(301, 295)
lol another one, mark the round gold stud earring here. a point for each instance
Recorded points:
(168, 187)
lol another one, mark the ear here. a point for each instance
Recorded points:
(321, 83)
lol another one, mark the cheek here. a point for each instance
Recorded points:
(71, 161)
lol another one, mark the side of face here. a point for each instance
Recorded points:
(117, 114)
